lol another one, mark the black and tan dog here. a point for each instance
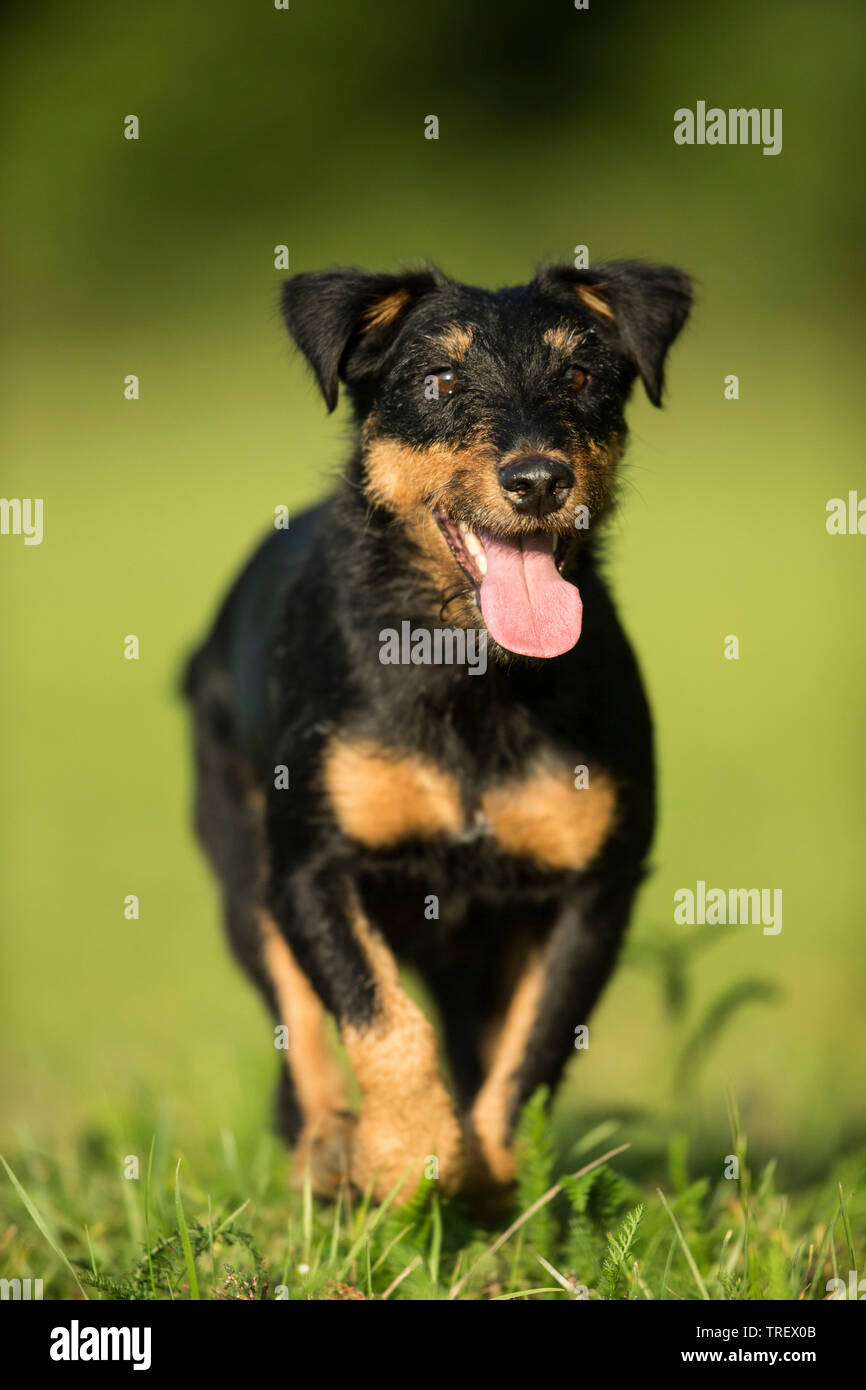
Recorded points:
(488, 827)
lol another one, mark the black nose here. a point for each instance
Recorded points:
(536, 485)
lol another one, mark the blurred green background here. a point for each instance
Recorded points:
(155, 257)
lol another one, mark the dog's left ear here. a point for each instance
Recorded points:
(644, 305)
(343, 320)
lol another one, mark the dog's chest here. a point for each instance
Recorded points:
(552, 813)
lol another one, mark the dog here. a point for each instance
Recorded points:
(365, 805)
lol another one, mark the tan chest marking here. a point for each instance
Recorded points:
(380, 796)
(543, 817)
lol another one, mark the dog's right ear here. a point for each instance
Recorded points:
(343, 320)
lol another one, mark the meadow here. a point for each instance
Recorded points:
(138, 1037)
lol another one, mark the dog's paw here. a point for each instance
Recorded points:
(327, 1147)
(489, 1180)
(405, 1143)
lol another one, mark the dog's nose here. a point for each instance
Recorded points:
(536, 485)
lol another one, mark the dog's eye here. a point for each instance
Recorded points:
(579, 378)
(442, 381)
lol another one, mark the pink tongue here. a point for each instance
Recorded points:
(527, 605)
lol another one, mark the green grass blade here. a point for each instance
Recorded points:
(524, 1293)
(41, 1224)
(230, 1219)
(184, 1237)
(147, 1215)
(369, 1226)
(335, 1228)
(663, 1291)
(90, 1249)
(435, 1240)
(846, 1224)
(210, 1238)
(690, 1259)
(307, 1214)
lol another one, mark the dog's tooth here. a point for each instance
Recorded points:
(555, 539)
(475, 548)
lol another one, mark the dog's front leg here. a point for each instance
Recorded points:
(406, 1127)
(553, 996)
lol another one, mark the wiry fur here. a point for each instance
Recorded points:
(292, 667)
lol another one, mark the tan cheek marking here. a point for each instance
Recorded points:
(396, 475)
(380, 798)
(405, 479)
(492, 1108)
(384, 311)
(594, 299)
(408, 481)
(608, 453)
(319, 1082)
(406, 1112)
(545, 818)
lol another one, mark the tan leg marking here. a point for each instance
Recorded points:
(326, 1139)
(491, 1110)
(381, 796)
(543, 817)
(406, 1112)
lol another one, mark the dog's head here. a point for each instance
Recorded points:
(491, 423)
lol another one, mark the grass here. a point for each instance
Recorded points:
(141, 1206)
(724, 507)
(221, 1221)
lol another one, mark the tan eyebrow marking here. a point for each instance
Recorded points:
(455, 341)
(563, 338)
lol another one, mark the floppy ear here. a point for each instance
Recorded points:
(342, 320)
(645, 305)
